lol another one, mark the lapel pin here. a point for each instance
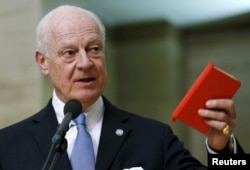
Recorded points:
(119, 132)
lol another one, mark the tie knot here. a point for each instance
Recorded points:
(80, 120)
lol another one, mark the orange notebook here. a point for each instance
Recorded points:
(212, 83)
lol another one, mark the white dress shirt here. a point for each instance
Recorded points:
(94, 117)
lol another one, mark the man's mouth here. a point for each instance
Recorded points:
(86, 80)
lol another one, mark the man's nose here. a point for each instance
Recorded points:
(83, 60)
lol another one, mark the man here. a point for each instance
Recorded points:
(70, 50)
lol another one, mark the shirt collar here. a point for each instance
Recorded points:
(93, 114)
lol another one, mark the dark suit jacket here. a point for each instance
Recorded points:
(145, 143)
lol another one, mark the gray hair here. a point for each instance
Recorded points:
(41, 39)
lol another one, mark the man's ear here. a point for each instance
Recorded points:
(42, 62)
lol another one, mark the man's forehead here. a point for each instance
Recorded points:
(71, 18)
(72, 25)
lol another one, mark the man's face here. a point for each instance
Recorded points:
(76, 62)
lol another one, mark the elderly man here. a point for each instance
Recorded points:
(70, 50)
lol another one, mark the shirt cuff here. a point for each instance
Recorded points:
(232, 146)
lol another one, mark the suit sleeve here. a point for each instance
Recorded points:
(177, 156)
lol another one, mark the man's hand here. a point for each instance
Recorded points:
(219, 114)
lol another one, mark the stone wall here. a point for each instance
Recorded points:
(20, 80)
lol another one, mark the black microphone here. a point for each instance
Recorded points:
(71, 110)
(59, 144)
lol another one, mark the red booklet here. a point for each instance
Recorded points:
(212, 83)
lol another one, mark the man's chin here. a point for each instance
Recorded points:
(87, 99)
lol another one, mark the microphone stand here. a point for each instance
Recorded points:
(58, 147)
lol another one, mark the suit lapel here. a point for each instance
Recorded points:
(44, 127)
(113, 135)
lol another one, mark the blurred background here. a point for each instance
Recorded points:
(155, 50)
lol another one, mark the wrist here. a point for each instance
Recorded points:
(229, 148)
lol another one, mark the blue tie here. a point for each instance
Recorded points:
(82, 156)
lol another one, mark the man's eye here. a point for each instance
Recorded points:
(70, 53)
(95, 50)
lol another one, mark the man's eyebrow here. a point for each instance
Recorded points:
(94, 39)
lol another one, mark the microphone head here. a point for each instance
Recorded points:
(73, 106)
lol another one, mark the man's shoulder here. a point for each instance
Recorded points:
(134, 119)
(146, 123)
(18, 126)
(21, 125)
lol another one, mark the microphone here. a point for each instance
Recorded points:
(71, 110)
(59, 144)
